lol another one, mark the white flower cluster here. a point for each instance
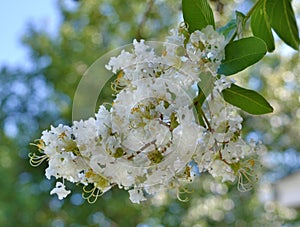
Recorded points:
(155, 135)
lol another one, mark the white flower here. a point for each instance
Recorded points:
(206, 47)
(151, 138)
(223, 170)
(122, 61)
(223, 83)
(136, 195)
(60, 190)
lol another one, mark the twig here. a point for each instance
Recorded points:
(144, 19)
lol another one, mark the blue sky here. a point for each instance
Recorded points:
(14, 18)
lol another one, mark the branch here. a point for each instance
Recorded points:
(144, 19)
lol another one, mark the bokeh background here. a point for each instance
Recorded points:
(57, 42)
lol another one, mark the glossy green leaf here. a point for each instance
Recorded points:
(261, 27)
(248, 100)
(241, 54)
(197, 14)
(283, 21)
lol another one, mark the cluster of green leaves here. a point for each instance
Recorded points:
(242, 52)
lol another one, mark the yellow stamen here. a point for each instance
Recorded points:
(36, 160)
(91, 195)
(39, 144)
(62, 135)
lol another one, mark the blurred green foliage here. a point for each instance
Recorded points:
(31, 100)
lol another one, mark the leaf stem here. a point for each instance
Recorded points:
(247, 16)
(200, 111)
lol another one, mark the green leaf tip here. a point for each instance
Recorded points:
(248, 100)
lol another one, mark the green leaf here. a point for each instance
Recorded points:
(198, 107)
(197, 14)
(242, 53)
(261, 27)
(228, 30)
(205, 86)
(198, 101)
(283, 21)
(248, 100)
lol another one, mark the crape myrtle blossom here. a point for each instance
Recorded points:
(60, 190)
(151, 138)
